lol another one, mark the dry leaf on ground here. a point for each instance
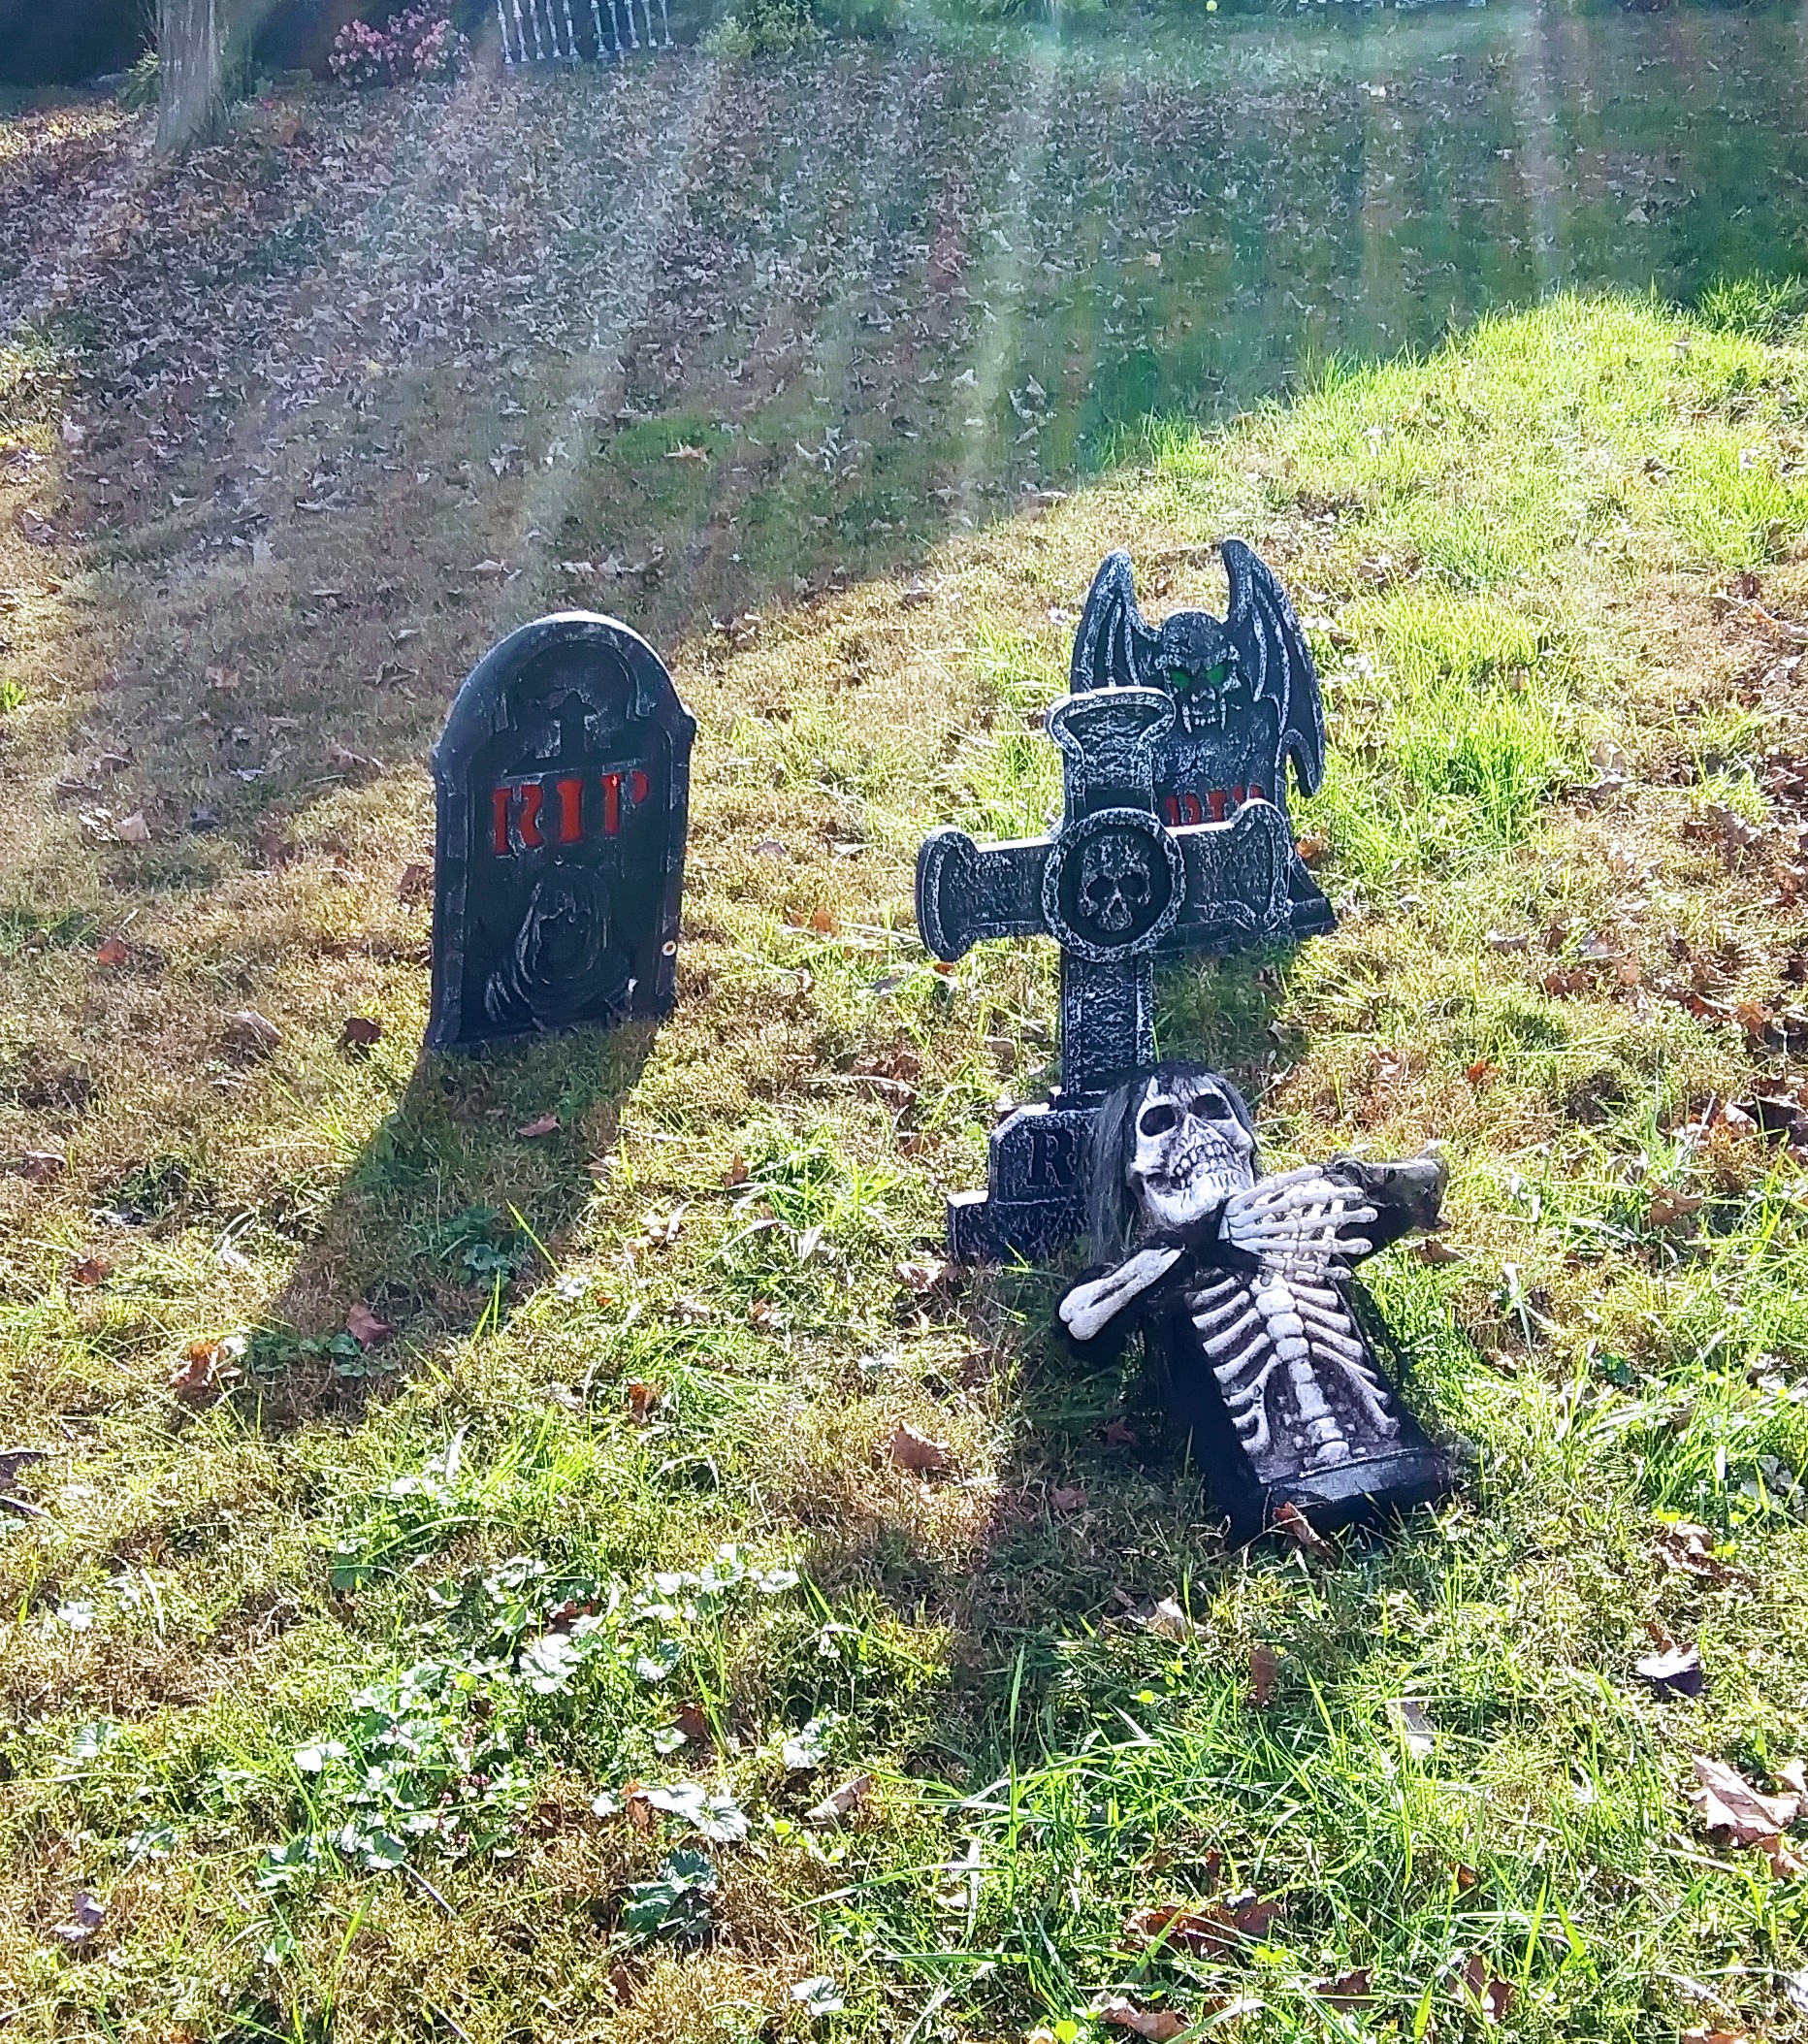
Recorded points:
(42, 1165)
(112, 950)
(90, 1270)
(1170, 1621)
(642, 1401)
(1264, 1668)
(691, 1720)
(1726, 1801)
(921, 1275)
(1668, 1204)
(842, 1801)
(252, 1031)
(1493, 1994)
(1291, 1521)
(84, 1919)
(1677, 1669)
(1064, 1497)
(910, 1450)
(1217, 1930)
(205, 1369)
(1415, 1726)
(1158, 2023)
(358, 1034)
(364, 1327)
(1691, 1548)
(1346, 1991)
(541, 1125)
(1434, 1250)
(1118, 1432)
(133, 829)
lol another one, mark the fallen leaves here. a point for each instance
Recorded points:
(248, 1030)
(359, 1035)
(1727, 1803)
(643, 1401)
(90, 1271)
(85, 1917)
(1345, 1991)
(842, 1801)
(1156, 2023)
(1434, 1249)
(1066, 1497)
(1263, 1670)
(12, 1461)
(541, 1125)
(1293, 1524)
(921, 1275)
(1690, 1548)
(133, 829)
(1414, 1724)
(1491, 1996)
(1675, 1670)
(1214, 1929)
(1169, 1621)
(42, 1165)
(112, 950)
(207, 1368)
(364, 1327)
(416, 880)
(1670, 1204)
(918, 1453)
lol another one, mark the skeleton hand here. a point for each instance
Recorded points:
(1298, 1217)
(1088, 1306)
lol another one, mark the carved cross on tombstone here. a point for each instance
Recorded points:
(1119, 882)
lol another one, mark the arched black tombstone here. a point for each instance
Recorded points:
(563, 781)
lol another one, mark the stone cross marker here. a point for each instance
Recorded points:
(563, 782)
(1142, 864)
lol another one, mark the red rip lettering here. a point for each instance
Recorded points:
(520, 818)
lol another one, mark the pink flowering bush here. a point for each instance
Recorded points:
(419, 42)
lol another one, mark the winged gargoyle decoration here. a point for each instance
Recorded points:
(1244, 1289)
(1245, 694)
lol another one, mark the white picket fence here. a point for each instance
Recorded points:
(532, 30)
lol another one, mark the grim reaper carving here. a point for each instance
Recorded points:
(1243, 1289)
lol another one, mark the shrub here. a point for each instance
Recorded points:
(420, 43)
(765, 28)
(143, 83)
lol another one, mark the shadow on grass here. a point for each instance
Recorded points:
(451, 1216)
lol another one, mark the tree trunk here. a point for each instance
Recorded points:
(191, 53)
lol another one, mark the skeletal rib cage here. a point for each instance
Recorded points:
(546, 31)
(1288, 1330)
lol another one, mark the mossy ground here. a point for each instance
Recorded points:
(312, 1681)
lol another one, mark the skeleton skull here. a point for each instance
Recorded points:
(1193, 1151)
(1114, 882)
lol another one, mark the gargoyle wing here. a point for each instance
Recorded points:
(1113, 648)
(1273, 657)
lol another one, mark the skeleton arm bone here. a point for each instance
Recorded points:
(1089, 1307)
(1300, 1215)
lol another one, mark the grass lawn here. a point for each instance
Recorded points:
(575, 1661)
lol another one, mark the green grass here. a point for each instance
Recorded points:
(330, 1684)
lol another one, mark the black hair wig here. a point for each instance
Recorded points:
(1111, 1211)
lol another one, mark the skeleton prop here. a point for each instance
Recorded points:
(1244, 1289)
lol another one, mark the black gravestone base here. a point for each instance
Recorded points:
(1369, 1490)
(563, 782)
(1035, 1199)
